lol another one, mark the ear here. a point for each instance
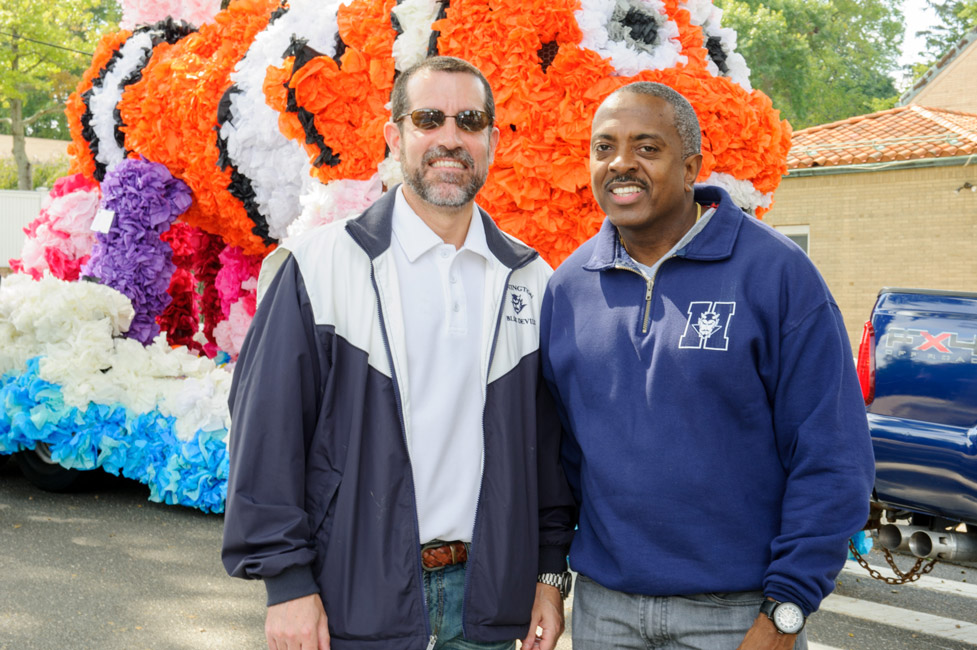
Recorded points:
(493, 143)
(391, 133)
(692, 166)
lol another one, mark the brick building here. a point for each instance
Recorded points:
(890, 198)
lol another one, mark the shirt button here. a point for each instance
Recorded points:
(454, 279)
(456, 308)
(445, 253)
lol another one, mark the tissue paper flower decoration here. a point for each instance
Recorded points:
(125, 68)
(171, 115)
(141, 12)
(275, 169)
(272, 115)
(336, 201)
(60, 240)
(76, 111)
(131, 257)
(156, 414)
(321, 73)
(550, 64)
(192, 315)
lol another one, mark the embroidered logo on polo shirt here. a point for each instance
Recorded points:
(519, 298)
(707, 326)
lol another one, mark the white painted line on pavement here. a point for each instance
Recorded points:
(811, 645)
(953, 587)
(904, 619)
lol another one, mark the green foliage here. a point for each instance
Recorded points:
(42, 74)
(52, 125)
(955, 19)
(45, 173)
(819, 60)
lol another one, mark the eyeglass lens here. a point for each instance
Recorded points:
(431, 118)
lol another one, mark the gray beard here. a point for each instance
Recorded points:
(453, 197)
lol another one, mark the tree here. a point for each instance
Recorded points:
(955, 19)
(44, 48)
(819, 60)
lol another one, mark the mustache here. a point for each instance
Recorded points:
(629, 180)
(459, 154)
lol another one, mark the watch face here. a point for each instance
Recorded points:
(788, 618)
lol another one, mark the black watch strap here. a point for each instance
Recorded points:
(788, 618)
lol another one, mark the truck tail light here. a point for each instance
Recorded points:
(866, 363)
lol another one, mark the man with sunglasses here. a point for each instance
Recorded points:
(395, 476)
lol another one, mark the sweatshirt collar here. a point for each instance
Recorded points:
(714, 242)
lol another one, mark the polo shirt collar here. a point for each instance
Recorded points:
(417, 238)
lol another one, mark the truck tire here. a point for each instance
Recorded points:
(38, 468)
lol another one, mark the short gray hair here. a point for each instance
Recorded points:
(398, 96)
(686, 122)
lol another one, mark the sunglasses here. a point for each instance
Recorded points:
(428, 119)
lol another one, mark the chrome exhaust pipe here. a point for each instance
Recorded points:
(895, 537)
(944, 545)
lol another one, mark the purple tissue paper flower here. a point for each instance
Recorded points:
(131, 257)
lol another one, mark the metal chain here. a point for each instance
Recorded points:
(919, 569)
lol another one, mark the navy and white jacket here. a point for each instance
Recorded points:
(320, 492)
(715, 432)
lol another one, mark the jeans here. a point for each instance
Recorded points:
(444, 591)
(603, 618)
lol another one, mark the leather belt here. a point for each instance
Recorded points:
(438, 554)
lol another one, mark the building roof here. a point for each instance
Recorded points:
(902, 133)
(969, 39)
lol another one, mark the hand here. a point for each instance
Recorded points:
(299, 624)
(763, 635)
(547, 618)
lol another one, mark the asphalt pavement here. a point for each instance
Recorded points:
(105, 569)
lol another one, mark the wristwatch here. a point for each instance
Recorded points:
(561, 581)
(787, 617)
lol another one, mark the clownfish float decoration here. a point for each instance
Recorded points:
(273, 113)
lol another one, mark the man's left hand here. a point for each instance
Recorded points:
(764, 636)
(547, 618)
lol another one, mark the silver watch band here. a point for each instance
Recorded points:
(561, 581)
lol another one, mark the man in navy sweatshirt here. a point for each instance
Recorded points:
(716, 440)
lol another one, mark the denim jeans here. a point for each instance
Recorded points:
(444, 591)
(603, 618)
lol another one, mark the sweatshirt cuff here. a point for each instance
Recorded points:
(290, 584)
(552, 559)
(782, 596)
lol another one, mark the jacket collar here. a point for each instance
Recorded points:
(373, 229)
(714, 243)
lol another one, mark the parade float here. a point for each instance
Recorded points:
(201, 138)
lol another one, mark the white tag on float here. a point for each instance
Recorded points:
(103, 220)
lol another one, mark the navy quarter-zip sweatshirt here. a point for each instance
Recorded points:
(723, 446)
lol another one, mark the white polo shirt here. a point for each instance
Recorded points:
(441, 291)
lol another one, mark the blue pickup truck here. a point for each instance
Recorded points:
(917, 363)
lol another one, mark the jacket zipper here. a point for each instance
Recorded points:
(403, 437)
(478, 501)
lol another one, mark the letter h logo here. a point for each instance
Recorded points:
(708, 325)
